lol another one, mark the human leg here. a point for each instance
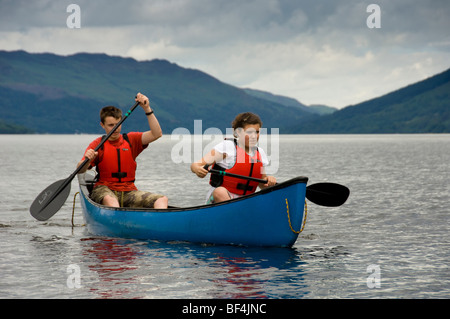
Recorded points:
(221, 194)
(162, 202)
(141, 199)
(103, 195)
(110, 201)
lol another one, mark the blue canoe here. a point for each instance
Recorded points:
(271, 217)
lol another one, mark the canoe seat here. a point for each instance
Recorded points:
(89, 181)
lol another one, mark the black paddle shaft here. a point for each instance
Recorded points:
(323, 194)
(223, 173)
(51, 199)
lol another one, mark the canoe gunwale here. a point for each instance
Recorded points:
(85, 193)
(261, 219)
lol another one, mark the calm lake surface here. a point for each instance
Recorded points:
(390, 240)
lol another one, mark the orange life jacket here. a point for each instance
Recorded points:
(116, 163)
(245, 165)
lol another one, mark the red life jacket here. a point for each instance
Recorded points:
(245, 165)
(116, 163)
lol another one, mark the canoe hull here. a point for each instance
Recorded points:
(271, 217)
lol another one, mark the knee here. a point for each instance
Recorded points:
(162, 202)
(110, 201)
(220, 194)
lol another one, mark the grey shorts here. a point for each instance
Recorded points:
(137, 199)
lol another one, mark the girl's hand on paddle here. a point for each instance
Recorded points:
(271, 181)
(199, 170)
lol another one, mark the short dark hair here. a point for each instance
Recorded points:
(246, 118)
(110, 111)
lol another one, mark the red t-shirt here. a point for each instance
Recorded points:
(136, 148)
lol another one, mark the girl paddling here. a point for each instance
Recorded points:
(239, 155)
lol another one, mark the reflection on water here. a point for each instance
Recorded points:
(114, 264)
(117, 266)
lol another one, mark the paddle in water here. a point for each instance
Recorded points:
(51, 199)
(324, 194)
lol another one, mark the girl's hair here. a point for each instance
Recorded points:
(243, 119)
(110, 111)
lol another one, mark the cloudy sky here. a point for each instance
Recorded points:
(317, 51)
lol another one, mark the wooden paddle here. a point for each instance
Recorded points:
(324, 194)
(51, 199)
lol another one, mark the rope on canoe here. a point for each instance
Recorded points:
(73, 208)
(289, 218)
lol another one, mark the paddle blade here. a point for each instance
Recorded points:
(327, 194)
(50, 200)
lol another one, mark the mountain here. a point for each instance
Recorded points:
(48, 93)
(8, 128)
(287, 101)
(322, 109)
(423, 107)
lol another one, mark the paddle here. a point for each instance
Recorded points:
(327, 194)
(51, 199)
(324, 194)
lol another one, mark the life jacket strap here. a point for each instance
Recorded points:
(245, 187)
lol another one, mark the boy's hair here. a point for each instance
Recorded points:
(244, 119)
(110, 111)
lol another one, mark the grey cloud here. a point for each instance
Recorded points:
(291, 47)
(203, 22)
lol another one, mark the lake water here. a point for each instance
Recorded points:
(390, 240)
